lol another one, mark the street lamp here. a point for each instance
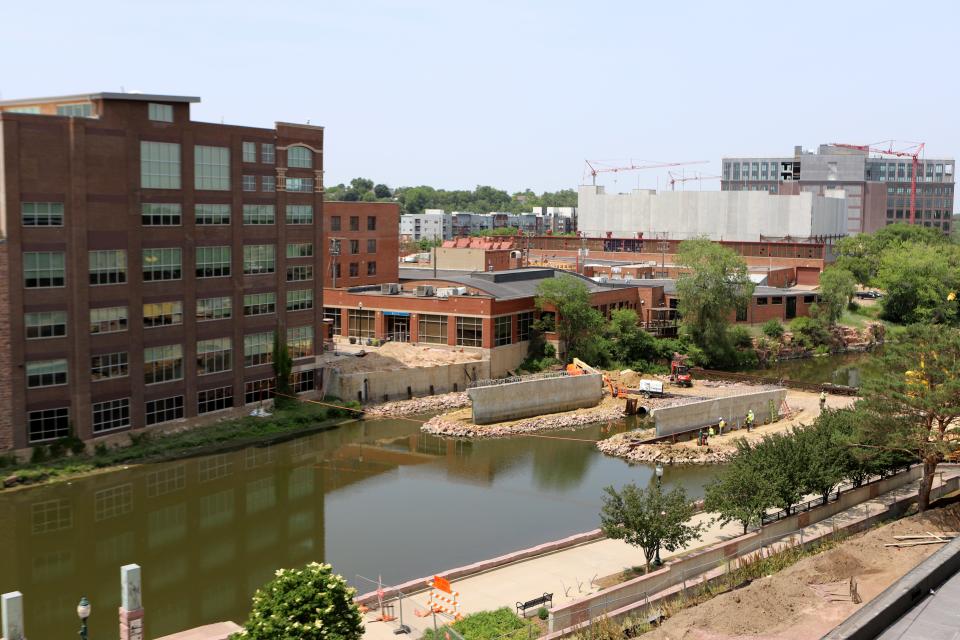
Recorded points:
(657, 562)
(83, 612)
(659, 471)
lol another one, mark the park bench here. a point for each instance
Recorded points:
(523, 607)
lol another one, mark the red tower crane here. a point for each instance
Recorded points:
(594, 170)
(913, 151)
(674, 178)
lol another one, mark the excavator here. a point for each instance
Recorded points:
(578, 367)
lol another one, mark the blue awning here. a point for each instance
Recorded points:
(402, 314)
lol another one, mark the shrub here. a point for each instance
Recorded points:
(39, 454)
(308, 603)
(773, 329)
(740, 337)
(812, 329)
(853, 306)
(74, 444)
(543, 613)
(100, 449)
(502, 624)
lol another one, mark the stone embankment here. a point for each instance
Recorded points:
(427, 404)
(447, 426)
(626, 446)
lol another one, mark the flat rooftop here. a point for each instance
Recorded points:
(103, 95)
(505, 285)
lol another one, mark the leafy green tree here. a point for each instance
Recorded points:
(361, 185)
(773, 329)
(837, 288)
(282, 369)
(578, 324)
(780, 454)
(918, 280)
(649, 519)
(861, 254)
(382, 191)
(715, 283)
(915, 401)
(823, 454)
(629, 343)
(311, 603)
(741, 492)
(810, 331)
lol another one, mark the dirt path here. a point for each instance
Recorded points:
(798, 603)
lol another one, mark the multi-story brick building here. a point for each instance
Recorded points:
(149, 259)
(364, 245)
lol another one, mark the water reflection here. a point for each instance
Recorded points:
(374, 498)
(848, 369)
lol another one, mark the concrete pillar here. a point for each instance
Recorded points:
(514, 328)
(11, 609)
(344, 321)
(379, 325)
(452, 330)
(131, 606)
(414, 327)
(486, 340)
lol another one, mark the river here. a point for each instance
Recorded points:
(372, 497)
(849, 369)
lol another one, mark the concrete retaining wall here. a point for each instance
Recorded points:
(670, 420)
(527, 398)
(383, 386)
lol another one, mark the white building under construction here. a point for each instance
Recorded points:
(718, 215)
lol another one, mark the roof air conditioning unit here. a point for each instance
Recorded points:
(424, 291)
(460, 291)
(390, 288)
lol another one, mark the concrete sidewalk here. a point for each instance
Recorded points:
(569, 573)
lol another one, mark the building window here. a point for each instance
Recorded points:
(469, 332)
(211, 166)
(354, 223)
(46, 373)
(32, 109)
(301, 273)
(210, 214)
(109, 365)
(502, 331)
(336, 270)
(83, 110)
(524, 325)
(214, 308)
(259, 214)
(776, 300)
(108, 320)
(268, 183)
(300, 342)
(259, 390)
(258, 304)
(300, 185)
(108, 266)
(304, 381)
(217, 399)
(159, 165)
(300, 157)
(112, 414)
(361, 323)
(299, 214)
(371, 246)
(44, 269)
(162, 264)
(213, 262)
(160, 112)
(162, 364)
(333, 314)
(257, 349)
(153, 214)
(808, 299)
(371, 268)
(45, 324)
(268, 153)
(741, 313)
(299, 249)
(354, 247)
(334, 223)
(162, 314)
(761, 301)
(214, 356)
(48, 424)
(41, 214)
(354, 269)
(299, 299)
(249, 151)
(371, 223)
(249, 183)
(259, 258)
(432, 329)
(164, 410)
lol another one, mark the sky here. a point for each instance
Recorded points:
(515, 94)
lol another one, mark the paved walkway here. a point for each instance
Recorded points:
(568, 573)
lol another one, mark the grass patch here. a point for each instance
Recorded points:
(501, 624)
(51, 461)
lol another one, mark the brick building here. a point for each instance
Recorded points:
(149, 260)
(365, 237)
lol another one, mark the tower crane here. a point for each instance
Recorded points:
(595, 167)
(886, 148)
(675, 178)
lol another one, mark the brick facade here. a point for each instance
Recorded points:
(383, 254)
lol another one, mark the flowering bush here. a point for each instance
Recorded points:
(309, 603)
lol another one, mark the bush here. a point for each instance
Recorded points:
(773, 329)
(853, 306)
(740, 337)
(543, 613)
(811, 329)
(308, 603)
(39, 454)
(100, 449)
(502, 624)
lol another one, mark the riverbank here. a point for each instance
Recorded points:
(54, 463)
(415, 406)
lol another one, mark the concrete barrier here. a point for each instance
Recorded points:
(527, 398)
(670, 420)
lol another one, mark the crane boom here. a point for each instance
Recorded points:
(914, 151)
(594, 170)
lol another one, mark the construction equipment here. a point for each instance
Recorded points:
(680, 371)
(913, 151)
(681, 178)
(650, 388)
(578, 367)
(594, 170)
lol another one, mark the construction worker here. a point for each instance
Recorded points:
(712, 432)
(823, 400)
(750, 419)
(722, 424)
(700, 438)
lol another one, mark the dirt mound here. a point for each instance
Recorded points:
(837, 564)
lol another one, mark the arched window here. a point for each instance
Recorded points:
(300, 157)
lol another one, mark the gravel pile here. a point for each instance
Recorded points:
(427, 404)
(441, 426)
(627, 446)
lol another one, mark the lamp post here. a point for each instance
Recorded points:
(659, 471)
(83, 612)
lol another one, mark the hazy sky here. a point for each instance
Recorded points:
(515, 94)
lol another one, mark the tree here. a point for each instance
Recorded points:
(309, 603)
(629, 343)
(382, 191)
(741, 492)
(361, 185)
(861, 254)
(780, 455)
(578, 324)
(915, 401)
(649, 519)
(837, 288)
(714, 284)
(823, 456)
(918, 280)
(282, 367)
